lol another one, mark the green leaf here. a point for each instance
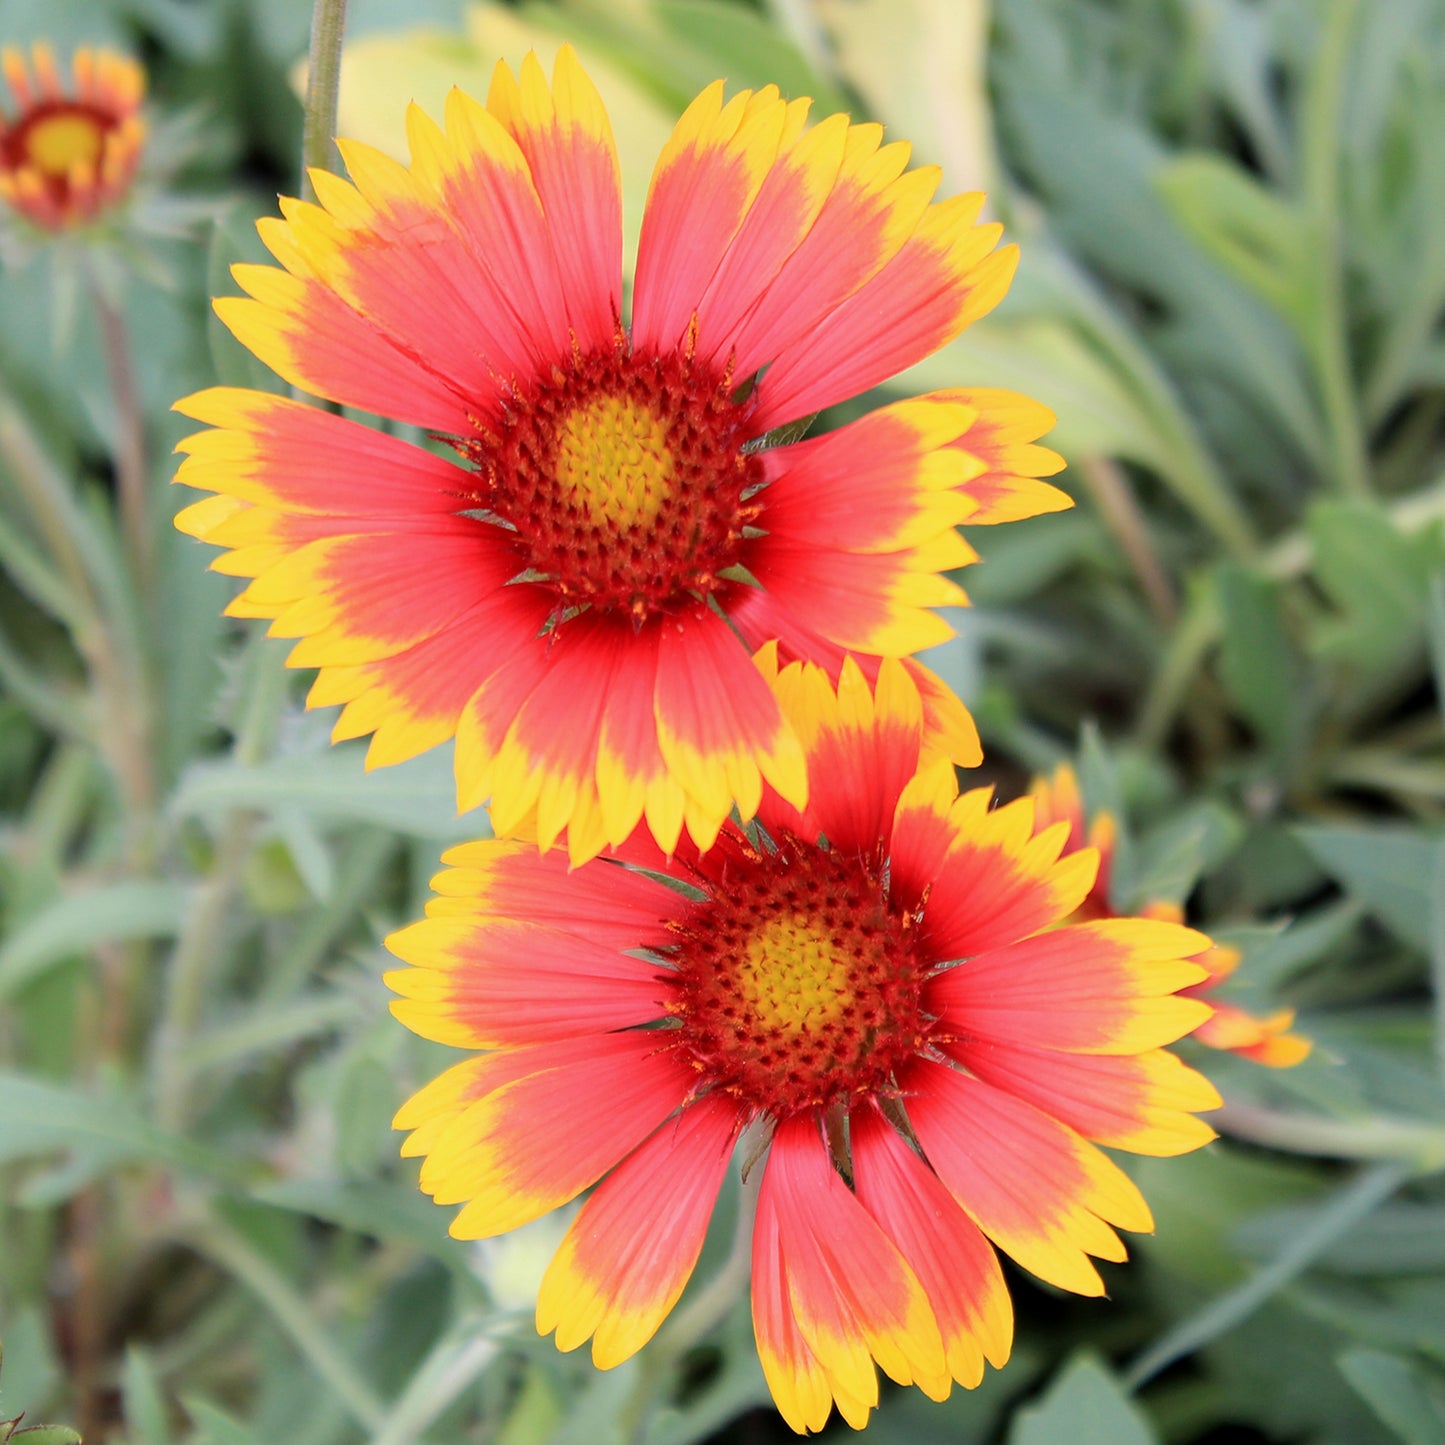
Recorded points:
(1256, 236)
(273, 885)
(416, 797)
(1399, 1238)
(47, 1435)
(1227, 1311)
(1104, 793)
(28, 568)
(79, 922)
(1398, 1316)
(1332, 1221)
(234, 240)
(102, 1130)
(365, 1103)
(1407, 1397)
(1199, 1200)
(1378, 579)
(1389, 869)
(215, 1426)
(931, 87)
(146, 1415)
(309, 854)
(1435, 628)
(1025, 557)
(190, 662)
(1436, 949)
(1085, 1405)
(269, 1028)
(1092, 163)
(1258, 666)
(375, 1208)
(1275, 952)
(1170, 858)
(32, 1371)
(747, 48)
(535, 1413)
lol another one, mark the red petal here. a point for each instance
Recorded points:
(952, 1259)
(542, 1139)
(632, 1249)
(567, 140)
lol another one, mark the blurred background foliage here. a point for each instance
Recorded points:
(1231, 293)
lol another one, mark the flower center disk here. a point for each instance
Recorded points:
(56, 142)
(624, 479)
(614, 464)
(798, 988)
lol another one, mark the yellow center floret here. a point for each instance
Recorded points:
(798, 987)
(793, 976)
(613, 461)
(625, 481)
(58, 142)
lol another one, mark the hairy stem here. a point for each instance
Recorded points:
(323, 83)
(1109, 487)
(131, 466)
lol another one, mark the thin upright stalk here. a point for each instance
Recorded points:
(95, 604)
(1121, 513)
(456, 1361)
(132, 471)
(288, 1307)
(189, 969)
(187, 975)
(323, 84)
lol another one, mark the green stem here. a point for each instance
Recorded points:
(131, 469)
(1412, 1143)
(264, 1032)
(91, 596)
(219, 1242)
(1191, 472)
(172, 1057)
(1109, 487)
(453, 1364)
(323, 84)
(1388, 772)
(63, 585)
(1195, 633)
(186, 978)
(1326, 336)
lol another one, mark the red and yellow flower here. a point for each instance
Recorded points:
(575, 594)
(67, 155)
(1267, 1040)
(901, 1014)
